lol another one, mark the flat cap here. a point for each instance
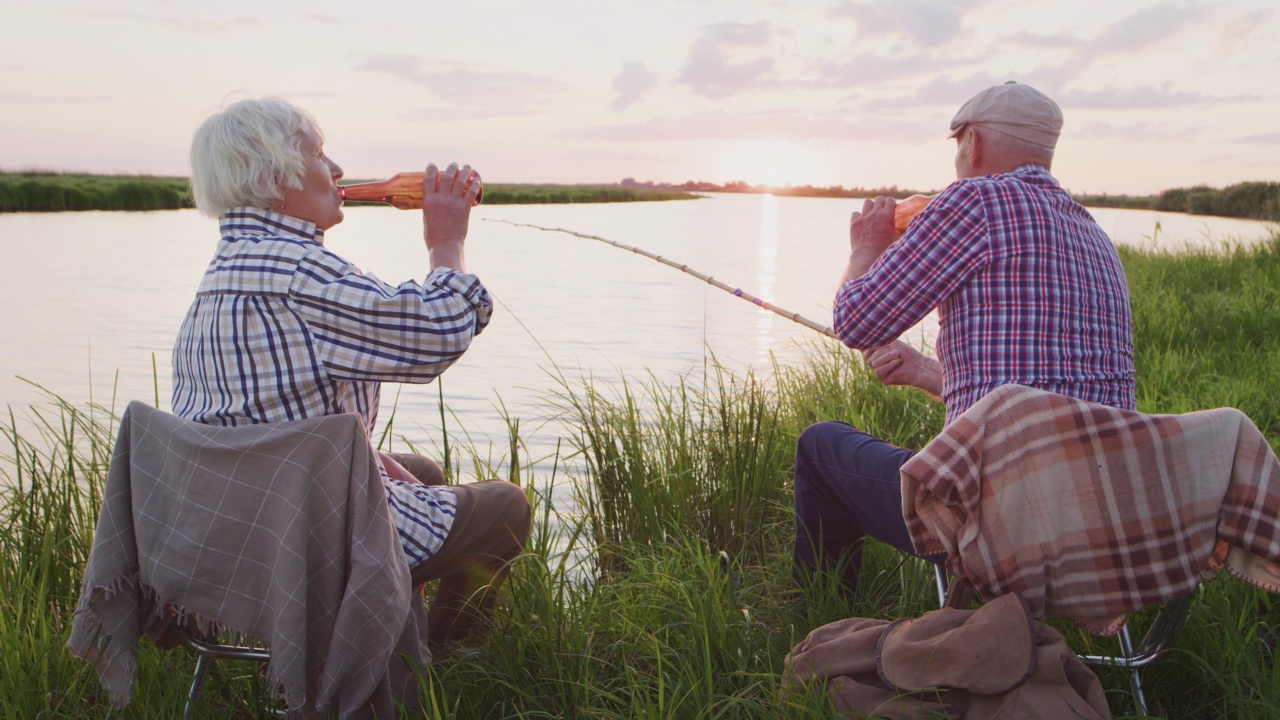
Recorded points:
(1013, 109)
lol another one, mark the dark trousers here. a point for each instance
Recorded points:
(846, 487)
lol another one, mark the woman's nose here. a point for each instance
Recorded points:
(335, 170)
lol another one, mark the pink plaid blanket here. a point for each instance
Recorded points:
(1091, 512)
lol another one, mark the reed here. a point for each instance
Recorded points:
(53, 192)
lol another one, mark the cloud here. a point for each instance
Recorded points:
(1131, 133)
(1052, 82)
(1143, 28)
(928, 23)
(951, 92)
(1263, 139)
(482, 91)
(1036, 40)
(12, 97)
(787, 124)
(711, 72)
(1136, 98)
(19, 97)
(632, 84)
(873, 70)
(184, 24)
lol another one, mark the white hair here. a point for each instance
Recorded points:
(241, 155)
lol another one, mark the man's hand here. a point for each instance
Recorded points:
(900, 364)
(870, 232)
(447, 199)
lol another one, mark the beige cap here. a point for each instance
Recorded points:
(1013, 109)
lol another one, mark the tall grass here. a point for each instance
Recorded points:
(53, 192)
(680, 463)
(665, 591)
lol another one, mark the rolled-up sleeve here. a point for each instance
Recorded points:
(365, 329)
(939, 253)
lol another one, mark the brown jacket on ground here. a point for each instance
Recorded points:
(984, 664)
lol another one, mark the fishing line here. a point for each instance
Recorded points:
(736, 292)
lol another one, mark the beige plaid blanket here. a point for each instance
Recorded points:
(280, 531)
(1091, 512)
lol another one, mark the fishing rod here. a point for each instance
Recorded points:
(736, 292)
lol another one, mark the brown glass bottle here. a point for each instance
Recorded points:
(908, 208)
(404, 190)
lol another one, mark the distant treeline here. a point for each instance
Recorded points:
(831, 191)
(504, 194)
(1251, 200)
(1255, 200)
(53, 192)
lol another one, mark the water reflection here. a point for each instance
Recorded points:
(767, 274)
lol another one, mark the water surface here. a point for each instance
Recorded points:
(93, 297)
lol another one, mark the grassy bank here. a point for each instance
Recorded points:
(667, 593)
(55, 192)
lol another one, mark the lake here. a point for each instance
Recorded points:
(94, 297)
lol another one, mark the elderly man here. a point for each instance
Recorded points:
(1028, 288)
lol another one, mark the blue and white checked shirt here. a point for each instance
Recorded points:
(1029, 290)
(283, 329)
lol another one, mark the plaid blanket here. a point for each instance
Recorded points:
(278, 530)
(1091, 512)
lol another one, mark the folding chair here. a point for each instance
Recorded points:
(1159, 639)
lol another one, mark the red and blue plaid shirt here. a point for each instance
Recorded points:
(1028, 288)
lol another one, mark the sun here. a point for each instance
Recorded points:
(774, 162)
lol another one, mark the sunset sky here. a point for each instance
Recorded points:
(825, 92)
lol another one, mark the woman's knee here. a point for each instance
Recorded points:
(519, 514)
(424, 469)
(509, 507)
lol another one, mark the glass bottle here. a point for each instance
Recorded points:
(907, 209)
(403, 190)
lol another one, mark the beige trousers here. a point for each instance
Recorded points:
(489, 531)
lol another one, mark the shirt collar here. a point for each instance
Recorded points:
(243, 221)
(1033, 169)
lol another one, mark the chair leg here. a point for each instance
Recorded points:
(1126, 649)
(202, 669)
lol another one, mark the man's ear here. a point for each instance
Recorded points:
(977, 147)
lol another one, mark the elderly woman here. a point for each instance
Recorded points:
(283, 329)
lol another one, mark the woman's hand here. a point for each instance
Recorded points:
(447, 198)
(900, 364)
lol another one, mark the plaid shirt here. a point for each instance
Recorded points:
(1029, 290)
(282, 329)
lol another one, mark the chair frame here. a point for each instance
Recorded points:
(1159, 639)
(207, 653)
